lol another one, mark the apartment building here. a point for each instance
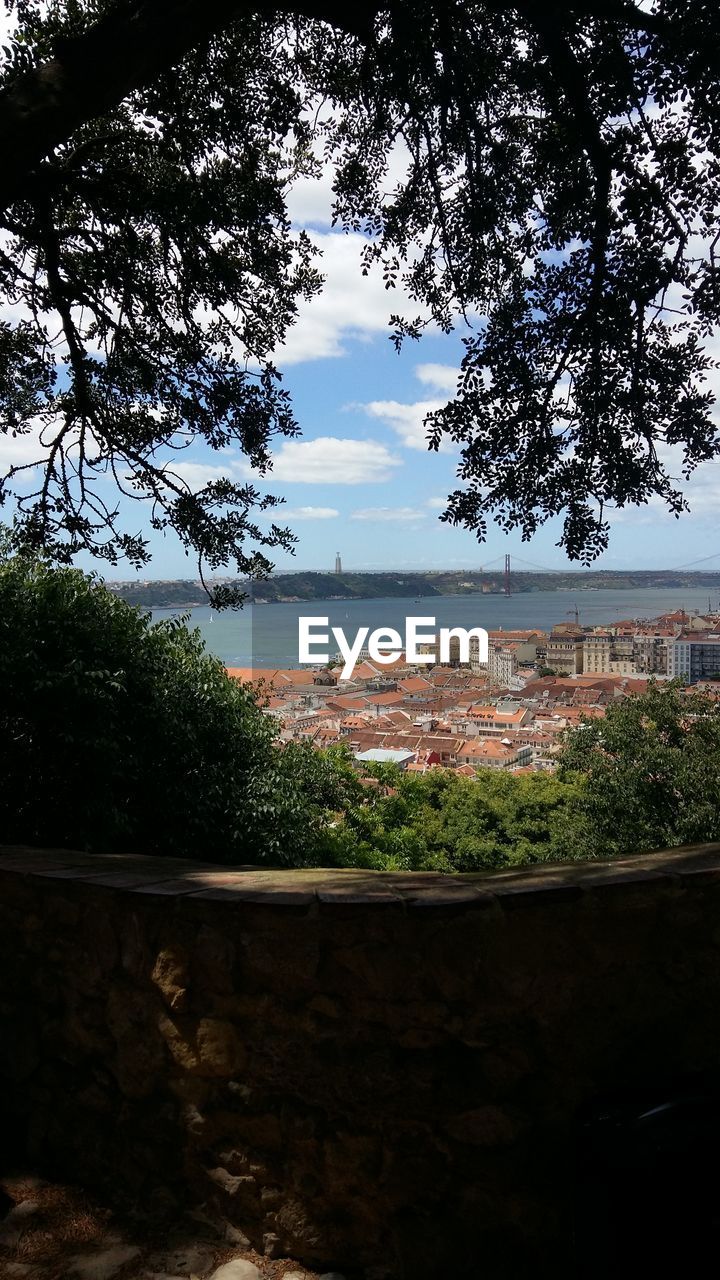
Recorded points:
(494, 722)
(597, 648)
(494, 755)
(651, 653)
(502, 663)
(694, 658)
(606, 654)
(565, 653)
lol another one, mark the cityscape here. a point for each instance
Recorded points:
(359, 640)
(509, 713)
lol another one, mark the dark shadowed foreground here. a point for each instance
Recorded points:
(353, 1070)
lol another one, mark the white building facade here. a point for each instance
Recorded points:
(694, 659)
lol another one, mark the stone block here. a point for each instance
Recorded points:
(208, 1047)
(170, 974)
(488, 1126)
(238, 1269)
(139, 1056)
(103, 1263)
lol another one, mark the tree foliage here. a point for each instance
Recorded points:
(652, 773)
(152, 269)
(442, 821)
(120, 735)
(645, 777)
(560, 198)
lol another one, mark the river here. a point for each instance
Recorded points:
(266, 635)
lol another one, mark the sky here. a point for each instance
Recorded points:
(361, 481)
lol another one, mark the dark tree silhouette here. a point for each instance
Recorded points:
(561, 200)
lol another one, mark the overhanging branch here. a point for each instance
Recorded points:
(92, 73)
(140, 39)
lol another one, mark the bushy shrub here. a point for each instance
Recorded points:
(651, 771)
(117, 734)
(442, 821)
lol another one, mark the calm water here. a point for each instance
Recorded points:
(266, 635)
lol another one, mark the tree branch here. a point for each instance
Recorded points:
(140, 39)
(124, 51)
(568, 76)
(616, 10)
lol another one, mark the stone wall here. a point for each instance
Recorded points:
(356, 1070)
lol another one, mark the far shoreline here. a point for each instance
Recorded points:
(315, 588)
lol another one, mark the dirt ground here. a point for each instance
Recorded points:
(49, 1232)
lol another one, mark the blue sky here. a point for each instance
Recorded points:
(361, 481)
(371, 395)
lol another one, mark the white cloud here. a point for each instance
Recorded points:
(351, 306)
(308, 513)
(198, 474)
(18, 451)
(701, 491)
(408, 421)
(401, 515)
(329, 460)
(441, 377)
(309, 200)
(437, 504)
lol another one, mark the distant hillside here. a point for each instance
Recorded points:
(283, 587)
(177, 594)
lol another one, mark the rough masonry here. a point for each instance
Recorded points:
(351, 1068)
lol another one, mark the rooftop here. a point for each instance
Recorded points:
(385, 755)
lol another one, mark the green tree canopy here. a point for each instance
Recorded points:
(560, 200)
(442, 821)
(652, 773)
(120, 735)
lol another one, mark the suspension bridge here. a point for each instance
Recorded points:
(507, 563)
